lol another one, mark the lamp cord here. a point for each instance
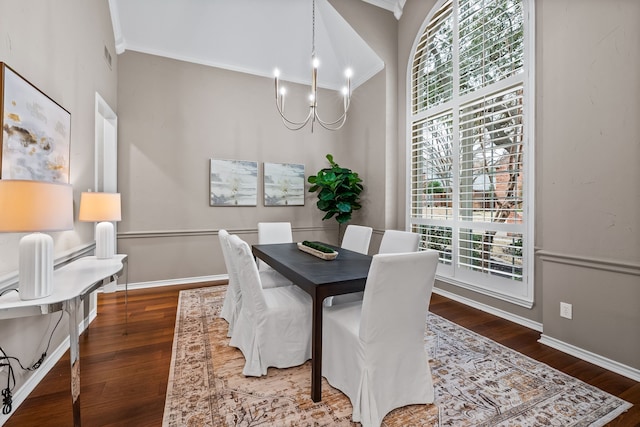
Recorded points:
(7, 398)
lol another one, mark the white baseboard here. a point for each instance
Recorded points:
(523, 321)
(590, 357)
(172, 282)
(578, 352)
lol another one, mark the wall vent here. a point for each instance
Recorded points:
(107, 56)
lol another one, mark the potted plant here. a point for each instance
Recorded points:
(338, 191)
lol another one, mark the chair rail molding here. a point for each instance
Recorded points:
(202, 232)
(604, 264)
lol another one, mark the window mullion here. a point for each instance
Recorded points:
(456, 138)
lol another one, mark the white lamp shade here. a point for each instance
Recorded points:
(101, 208)
(96, 207)
(27, 206)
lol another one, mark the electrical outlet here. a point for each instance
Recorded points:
(566, 310)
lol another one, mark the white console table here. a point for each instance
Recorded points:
(72, 284)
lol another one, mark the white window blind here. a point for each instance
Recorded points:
(432, 71)
(469, 145)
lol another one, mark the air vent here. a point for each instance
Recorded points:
(107, 56)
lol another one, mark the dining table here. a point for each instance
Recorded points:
(320, 278)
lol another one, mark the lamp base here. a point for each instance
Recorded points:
(35, 266)
(104, 240)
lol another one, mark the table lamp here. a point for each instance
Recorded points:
(35, 206)
(101, 208)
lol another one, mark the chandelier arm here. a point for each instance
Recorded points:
(333, 125)
(293, 127)
(286, 121)
(342, 118)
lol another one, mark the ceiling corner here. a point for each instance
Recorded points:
(117, 28)
(394, 6)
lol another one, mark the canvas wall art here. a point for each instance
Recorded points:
(283, 184)
(233, 183)
(36, 132)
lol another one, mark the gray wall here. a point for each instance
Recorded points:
(588, 179)
(587, 143)
(371, 136)
(175, 116)
(57, 46)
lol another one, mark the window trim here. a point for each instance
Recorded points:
(525, 295)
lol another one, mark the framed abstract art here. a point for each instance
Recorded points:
(283, 184)
(233, 183)
(36, 132)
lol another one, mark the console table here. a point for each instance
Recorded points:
(72, 284)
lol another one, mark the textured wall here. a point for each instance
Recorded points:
(588, 179)
(57, 46)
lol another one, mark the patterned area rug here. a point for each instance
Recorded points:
(478, 382)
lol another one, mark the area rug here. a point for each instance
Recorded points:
(478, 382)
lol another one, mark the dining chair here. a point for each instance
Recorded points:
(273, 327)
(395, 241)
(356, 238)
(232, 298)
(373, 350)
(273, 232)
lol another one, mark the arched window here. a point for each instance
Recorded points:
(470, 144)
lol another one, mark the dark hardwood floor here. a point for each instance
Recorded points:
(124, 377)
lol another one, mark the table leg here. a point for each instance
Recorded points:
(126, 295)
(85, 314)
(71, 307)
(316, 348)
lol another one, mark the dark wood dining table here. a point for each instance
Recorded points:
(319, 278)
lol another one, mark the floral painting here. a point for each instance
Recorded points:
(283, 184)
(233, 183)
(35, 132)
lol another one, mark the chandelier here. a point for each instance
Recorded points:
(313, 116)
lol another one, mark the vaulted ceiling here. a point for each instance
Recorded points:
(251, 36)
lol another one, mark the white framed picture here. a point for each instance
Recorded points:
(283, 184)
(233, 183)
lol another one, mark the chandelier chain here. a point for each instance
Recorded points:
(313, 29)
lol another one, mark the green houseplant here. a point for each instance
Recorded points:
(338, 191)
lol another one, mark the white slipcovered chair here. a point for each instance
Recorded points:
(356, 238)
(395, 241)
(273, 232)
(373, 350)
(273, 327)
(233, 297)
